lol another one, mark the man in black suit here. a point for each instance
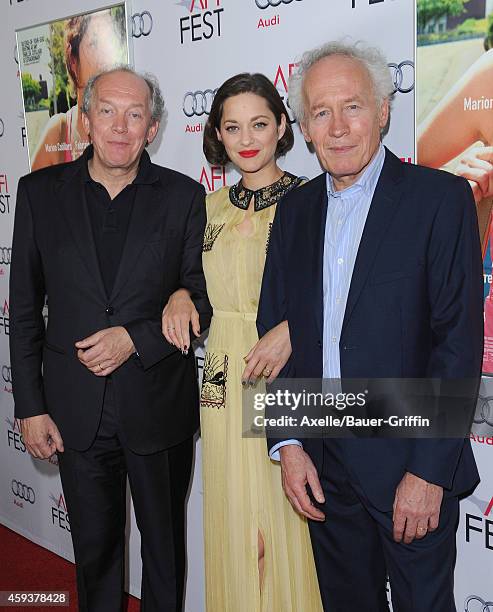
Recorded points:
(107, 239)
(389, 286)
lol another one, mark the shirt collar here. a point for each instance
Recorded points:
(146, 175)
(367, 181)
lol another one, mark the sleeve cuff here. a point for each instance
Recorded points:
(274, 453)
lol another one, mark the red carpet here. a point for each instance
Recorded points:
(27, 566)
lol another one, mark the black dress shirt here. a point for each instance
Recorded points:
(110, 218)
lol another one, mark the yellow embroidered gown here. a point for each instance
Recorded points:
(242, 487)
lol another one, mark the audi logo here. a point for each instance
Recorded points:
(7, 374)
(5, 252)
(402, 76)
(142, 24)
(474, 603)
(2, 128)
(263, 4)
(22, 491)
(198, 103)
(484, 411)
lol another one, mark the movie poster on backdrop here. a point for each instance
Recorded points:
(56, 60)
(454, 104)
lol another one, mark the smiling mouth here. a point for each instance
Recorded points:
(341, 150)
(249, 153)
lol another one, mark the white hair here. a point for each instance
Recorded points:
(157, 107)
(370, 57)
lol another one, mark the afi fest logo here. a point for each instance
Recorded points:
(281, 81)
(4, 319)
(480, 528)
(59, 514)
(14, 435)
(4, 195)
(213, 177)
(203, 22)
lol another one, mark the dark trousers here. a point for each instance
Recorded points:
(354, 551)
(94, 485)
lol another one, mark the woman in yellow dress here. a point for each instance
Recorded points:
(258, 556)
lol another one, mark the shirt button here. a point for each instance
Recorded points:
(110, 310)
(334, 339)
(338, 300)
(340, 261)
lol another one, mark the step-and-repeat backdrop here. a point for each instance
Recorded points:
(192, 46)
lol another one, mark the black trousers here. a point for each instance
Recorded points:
(354, 551)
(94, 485)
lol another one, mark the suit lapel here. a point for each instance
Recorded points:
(142, 222)
(382, 209)
(317, 230)
(72, 194)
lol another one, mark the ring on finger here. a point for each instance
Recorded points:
(422, 529)
(266, 372)
(171, 328)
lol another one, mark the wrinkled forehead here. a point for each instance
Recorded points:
(338, 74)
(122, 87)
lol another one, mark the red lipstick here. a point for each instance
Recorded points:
(249, 153)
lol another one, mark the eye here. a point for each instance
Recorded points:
(105, 110)
(135, 115)
(231, 128)
(321, 114)
(260, 125)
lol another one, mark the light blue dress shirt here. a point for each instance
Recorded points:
(346, 217)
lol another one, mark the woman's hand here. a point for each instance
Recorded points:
(269, 355)
(476, 165)
(178, 314)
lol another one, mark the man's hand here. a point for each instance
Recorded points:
(297, 471)
(105, 350)
(41, 436)
(416, 508)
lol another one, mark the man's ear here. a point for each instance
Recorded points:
(86, 123)
(152, 131)
(305, 131)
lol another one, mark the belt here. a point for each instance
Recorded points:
(224, 314)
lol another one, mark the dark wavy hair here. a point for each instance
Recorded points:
(245, 82)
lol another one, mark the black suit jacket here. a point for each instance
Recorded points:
(414, 309)
(54, 254)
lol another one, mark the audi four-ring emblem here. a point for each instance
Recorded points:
(142, 24)
(402, 76)
(263, 4)
(198, 103)
(23, 492)
(484, 412)
(474, 603)
(5, 252)
(6, 374)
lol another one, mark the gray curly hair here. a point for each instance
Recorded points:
(158, 110)
(372, 59)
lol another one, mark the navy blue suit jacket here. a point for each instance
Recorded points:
(414, 309)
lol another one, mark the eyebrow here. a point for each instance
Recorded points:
(252, 119)
(136, 105)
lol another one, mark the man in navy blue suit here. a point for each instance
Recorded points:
(389, 286)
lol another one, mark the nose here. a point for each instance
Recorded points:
(338, 125)
(246, 137)
(120, 123)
